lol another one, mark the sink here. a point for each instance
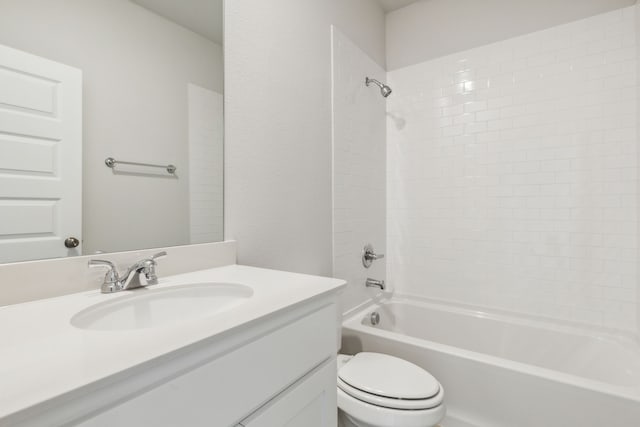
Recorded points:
(157, 307)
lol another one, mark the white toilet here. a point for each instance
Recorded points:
(378, 390)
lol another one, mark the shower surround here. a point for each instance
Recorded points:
(358, 167)
(512, 174)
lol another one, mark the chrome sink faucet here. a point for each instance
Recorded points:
(140, 274)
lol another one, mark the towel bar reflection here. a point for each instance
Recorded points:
(111, 162)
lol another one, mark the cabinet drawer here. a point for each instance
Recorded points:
(223, 391)
(311, 402)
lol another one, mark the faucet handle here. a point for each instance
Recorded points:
(100, 262)
(111, 279)
(112, 274)
(369, 255)
(149, 268)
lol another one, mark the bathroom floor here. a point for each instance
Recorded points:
(455, 422)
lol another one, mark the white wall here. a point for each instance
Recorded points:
(278, 187)
(512, 174)
(432, 28)
(359, 165)
(136, 67)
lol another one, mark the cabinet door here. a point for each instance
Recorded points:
(311, 402)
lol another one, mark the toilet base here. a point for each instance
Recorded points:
(345, 421)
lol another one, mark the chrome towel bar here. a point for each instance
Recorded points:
(111, 162)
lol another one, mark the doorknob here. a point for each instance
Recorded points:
(71, 242)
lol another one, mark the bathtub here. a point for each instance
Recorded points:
(499, 370)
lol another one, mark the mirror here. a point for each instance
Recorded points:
(82, 81)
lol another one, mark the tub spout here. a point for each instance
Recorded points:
(373, 283)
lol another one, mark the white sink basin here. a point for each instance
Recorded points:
(151, 308)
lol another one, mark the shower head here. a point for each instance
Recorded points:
(384, 89)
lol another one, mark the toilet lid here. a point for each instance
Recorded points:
(388, 402)
(388, 376)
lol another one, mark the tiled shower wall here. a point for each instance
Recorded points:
(358, 168)
(205, 167)
(512, 174)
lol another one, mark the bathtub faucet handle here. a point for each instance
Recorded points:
(369, 255)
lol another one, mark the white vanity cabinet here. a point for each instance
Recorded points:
(283, 374)
(269, 361)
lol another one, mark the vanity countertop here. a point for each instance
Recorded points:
(43, 355)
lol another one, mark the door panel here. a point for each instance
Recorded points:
(40, 156)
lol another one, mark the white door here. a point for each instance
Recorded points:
(40, 157)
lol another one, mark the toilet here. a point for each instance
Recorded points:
(379, 390)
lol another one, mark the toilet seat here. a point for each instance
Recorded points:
(389, 382)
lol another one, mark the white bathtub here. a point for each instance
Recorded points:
(505, 371)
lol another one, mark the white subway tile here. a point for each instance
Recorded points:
(516, 174)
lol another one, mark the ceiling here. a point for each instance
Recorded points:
(200, 16)
(391, 5)
(205, 16)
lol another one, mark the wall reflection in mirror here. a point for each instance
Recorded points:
(81, 81)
